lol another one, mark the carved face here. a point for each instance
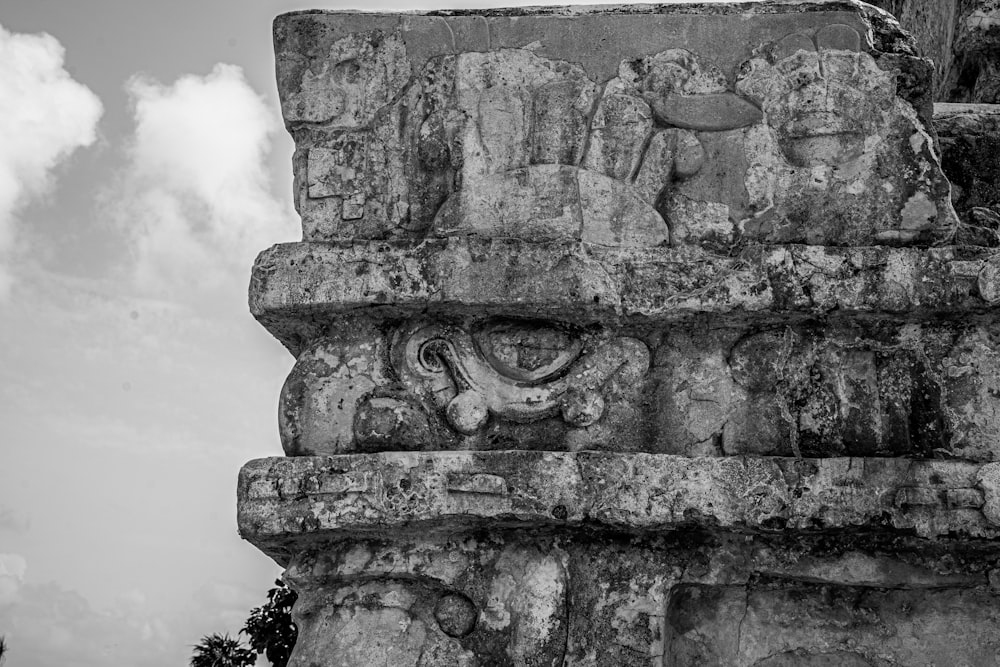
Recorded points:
(516, 371)
(822, 96)
(439, 386)
(840, 158)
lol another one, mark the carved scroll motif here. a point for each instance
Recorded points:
(517, 372)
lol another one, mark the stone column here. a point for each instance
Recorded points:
(631, 335)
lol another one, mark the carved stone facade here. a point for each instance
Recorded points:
(641, 335)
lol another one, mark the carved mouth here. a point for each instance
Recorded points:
(820, 123)
(821, 138)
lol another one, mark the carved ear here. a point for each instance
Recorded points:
(839, 37)
(792, 44)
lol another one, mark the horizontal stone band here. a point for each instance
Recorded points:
(368, 494)
(298, 287)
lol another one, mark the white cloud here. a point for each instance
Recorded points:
(50, 624)
(195, 196)
(44, 116)
(12, 568)
(47, 624)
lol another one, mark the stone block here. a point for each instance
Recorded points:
(806, 123)
(780, 623)
(297, 290)
(409, 493)
(378, 559)
(891, 390)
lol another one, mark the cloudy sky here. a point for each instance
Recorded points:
(142, 166)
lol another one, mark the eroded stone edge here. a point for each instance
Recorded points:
(397, 493)
(297, 288)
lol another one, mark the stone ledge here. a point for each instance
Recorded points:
(752, 7)
(298, 289)
(281, 499)
(631, 27)
(946, 112)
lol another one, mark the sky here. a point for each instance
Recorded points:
(143, 165)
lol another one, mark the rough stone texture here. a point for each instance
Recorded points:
(859, 389)
(933, 24)
(970, 143)
(423, 493)
(975, 76)
(530, 545)
(687, 125)
(636, 336)
(299, 290)
(779, 623)
(962, 38)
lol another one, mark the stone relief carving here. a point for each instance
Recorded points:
(808, 141)
(439, 386)
(907, 390)
(515, 371)
(708, 453)
(548, 155)
(834, 117)
(888, 390)
(461, 604)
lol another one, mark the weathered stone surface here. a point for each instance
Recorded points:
(970, 143)
(421, 493)
(607, 352)
(962, 38)
(913, 390)
(781, 624)
(409, 125)
(520, 618)
(299, 289)
(553, 203)
(497, 385)
(711, 112)
(617, 601)
(825, 108)
(553, 581)
(932, 23)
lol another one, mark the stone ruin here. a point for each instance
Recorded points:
(639, 335)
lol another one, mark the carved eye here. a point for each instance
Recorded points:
(431, 354)
(456, 614)
(839, 37)
(527, 352)
(792, 44)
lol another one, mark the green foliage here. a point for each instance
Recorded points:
(217, 650)
(3, 649)
(270, 628)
